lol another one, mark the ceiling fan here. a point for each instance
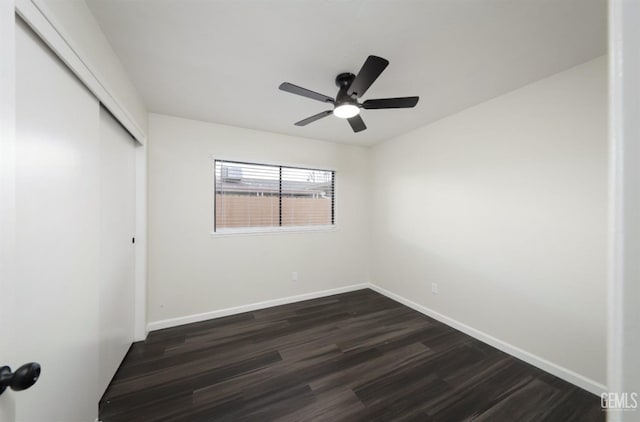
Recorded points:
(351, 87)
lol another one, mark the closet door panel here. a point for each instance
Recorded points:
(117, 265)
(57, 236)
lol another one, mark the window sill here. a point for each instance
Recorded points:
(272, 230)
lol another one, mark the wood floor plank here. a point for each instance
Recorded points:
(357, 356)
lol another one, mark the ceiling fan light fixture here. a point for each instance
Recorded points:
(346, 111)
(350, 88)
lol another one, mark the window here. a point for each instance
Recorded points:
(266, 197)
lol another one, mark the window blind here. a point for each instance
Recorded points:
(251, 195)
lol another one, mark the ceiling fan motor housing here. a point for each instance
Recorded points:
(344, 81)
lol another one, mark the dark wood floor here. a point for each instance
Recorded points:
(352, 357)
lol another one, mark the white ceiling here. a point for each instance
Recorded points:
(222, 60)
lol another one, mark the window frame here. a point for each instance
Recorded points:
(270, 230)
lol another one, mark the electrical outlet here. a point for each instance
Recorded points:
(434, 288)
(294, 276)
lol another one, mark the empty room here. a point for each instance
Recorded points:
(329, 210)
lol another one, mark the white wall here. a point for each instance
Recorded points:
(191, 271)
(504, 206)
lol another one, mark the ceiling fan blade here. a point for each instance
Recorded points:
(357, 124)
(403, 102)
(371, 69)
(298, 90)
(313, 118)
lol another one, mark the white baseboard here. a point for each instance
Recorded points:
(547, 366)
(173, 322)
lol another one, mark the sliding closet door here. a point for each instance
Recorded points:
(7, 194)
(57, 232)
(117, 223)
(75, 208)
